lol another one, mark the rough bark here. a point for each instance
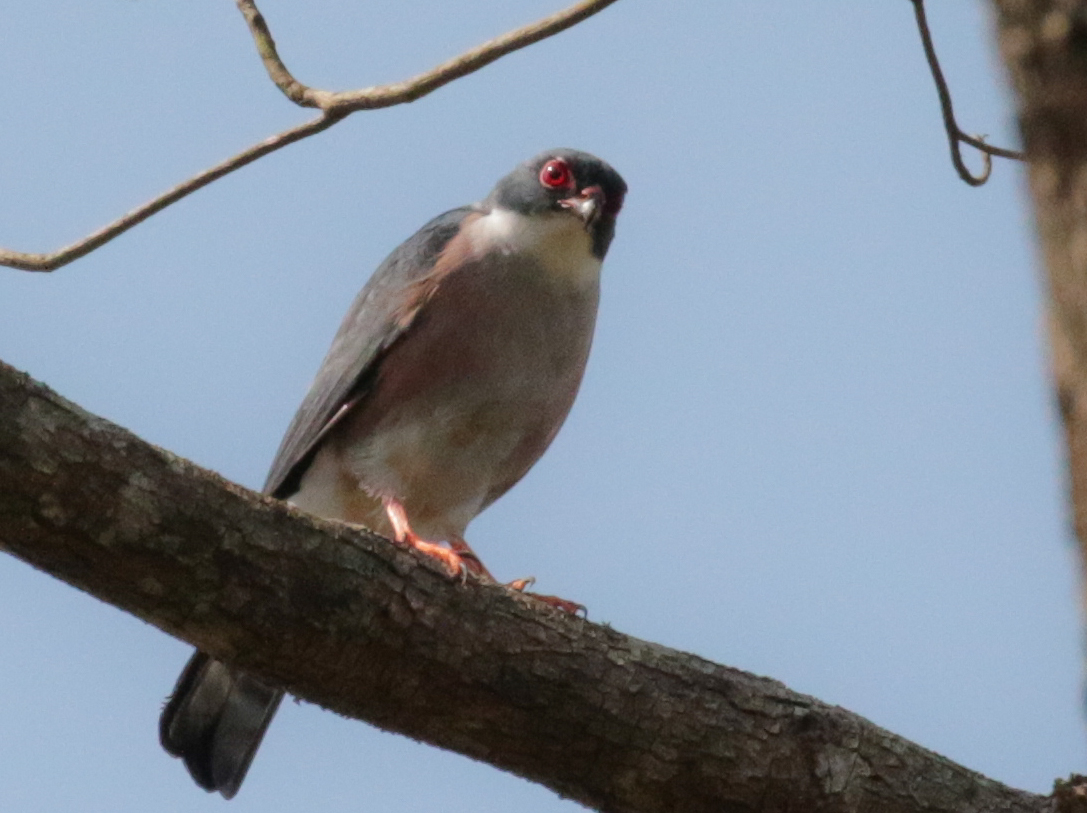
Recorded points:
(347, 620)
(1044, 46)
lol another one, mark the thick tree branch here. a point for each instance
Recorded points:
(334, 107)
(955, 134)
(345, 619)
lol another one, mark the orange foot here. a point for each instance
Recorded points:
(471, 561)
(565, 605)
(403, 534)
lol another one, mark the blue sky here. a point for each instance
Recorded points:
(816, 439)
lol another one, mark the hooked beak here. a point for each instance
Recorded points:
(588, 205)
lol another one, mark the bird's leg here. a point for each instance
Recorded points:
(460, 558)
(403, 534)
(477, 568)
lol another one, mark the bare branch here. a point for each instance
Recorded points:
(955, 135)
(334, 107)
(348, 620)
(266, 46)
(51, 262)
(373, 98)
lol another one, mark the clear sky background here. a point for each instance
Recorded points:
(816, 439)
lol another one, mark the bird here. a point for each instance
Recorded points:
(450, 375)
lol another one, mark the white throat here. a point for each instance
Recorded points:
(557, 240)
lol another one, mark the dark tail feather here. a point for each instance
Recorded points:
(215, 720)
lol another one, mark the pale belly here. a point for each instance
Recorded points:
(464, 403)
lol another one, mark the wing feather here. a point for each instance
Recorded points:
(381, 312)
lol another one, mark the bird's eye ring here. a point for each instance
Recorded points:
(556, 174)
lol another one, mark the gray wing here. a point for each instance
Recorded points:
(378, 316)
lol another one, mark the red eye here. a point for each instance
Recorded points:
(556, 173)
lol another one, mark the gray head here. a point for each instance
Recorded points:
(565, 181)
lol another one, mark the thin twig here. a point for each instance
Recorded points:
(955, 135)
(51, 262)
(294, 90)
(334, 107)
(409, 90)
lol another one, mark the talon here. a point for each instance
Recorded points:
(571, 607)
(521, 584)
(566, 606)
(472, 562)
(451, 559)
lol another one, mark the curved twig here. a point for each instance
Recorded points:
(409, 90)
(955, 135)
(334, 107)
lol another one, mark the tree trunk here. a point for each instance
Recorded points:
(1044, 46)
